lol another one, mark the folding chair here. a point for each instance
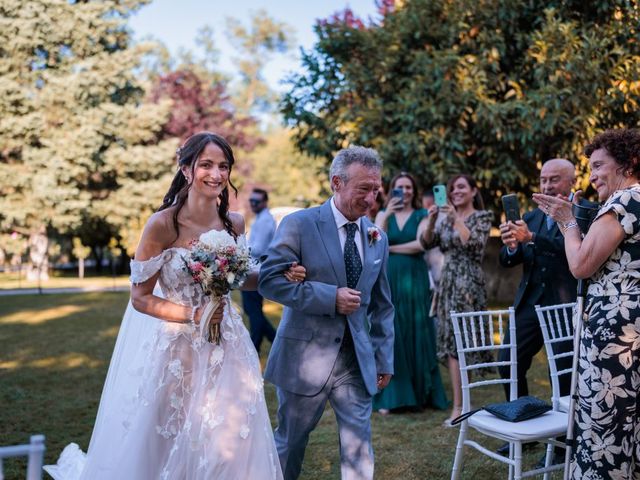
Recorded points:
(556, 323)
(485, 331)
(35, 452)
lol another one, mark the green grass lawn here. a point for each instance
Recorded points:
(59, 279)
(55, 354)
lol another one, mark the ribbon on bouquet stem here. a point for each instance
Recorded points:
(210, 330)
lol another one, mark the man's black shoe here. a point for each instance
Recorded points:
(555, 460)
(504, 448)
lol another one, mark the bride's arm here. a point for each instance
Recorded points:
(153, 242)
(295, 273)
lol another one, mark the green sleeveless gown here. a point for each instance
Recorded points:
(416, 381)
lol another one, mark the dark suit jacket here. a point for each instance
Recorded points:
(546, 279)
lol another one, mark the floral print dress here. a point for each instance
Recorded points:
(462, 285)
(607, 432)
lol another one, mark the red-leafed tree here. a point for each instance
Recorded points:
(200, 106)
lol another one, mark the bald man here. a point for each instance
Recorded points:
(537, 244)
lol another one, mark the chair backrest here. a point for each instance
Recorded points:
(34, 450)
(485, 332)
(556, 323)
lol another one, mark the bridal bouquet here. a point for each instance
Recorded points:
(218, 264)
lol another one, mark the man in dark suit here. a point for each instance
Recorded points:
(535, 242)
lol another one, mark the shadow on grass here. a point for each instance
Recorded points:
(54, 358)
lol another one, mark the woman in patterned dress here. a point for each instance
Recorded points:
(607, 431)
(461, 235)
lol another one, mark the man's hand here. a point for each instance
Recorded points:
(347, 300)
(520, 231)
(507, 236)
(383, 380)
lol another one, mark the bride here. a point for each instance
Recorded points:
(175, 406)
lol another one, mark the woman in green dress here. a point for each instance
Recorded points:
(416, 382)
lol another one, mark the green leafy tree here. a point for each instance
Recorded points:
(492, 88)
(256, 46)
(291, 177)
(78, 145)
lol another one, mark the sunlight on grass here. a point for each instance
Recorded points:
(61, 362)
(35, 317)
(271, 308)
(111, 332)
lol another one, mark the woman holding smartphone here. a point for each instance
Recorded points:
(416, 382)
(461, 235)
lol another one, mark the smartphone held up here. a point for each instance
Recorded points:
(511, 207)
(440, 195)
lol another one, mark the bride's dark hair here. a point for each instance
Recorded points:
(187, 155)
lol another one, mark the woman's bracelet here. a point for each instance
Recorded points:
(566, 226)
(192, 316)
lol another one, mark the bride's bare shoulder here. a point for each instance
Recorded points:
(237, 220)
(159, 232)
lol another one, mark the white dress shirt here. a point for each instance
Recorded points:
(341, 221)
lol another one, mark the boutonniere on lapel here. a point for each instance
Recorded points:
(373, 233)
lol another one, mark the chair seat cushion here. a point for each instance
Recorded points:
(548, 425)
(563, 403)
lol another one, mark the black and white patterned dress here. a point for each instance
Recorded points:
(606, 429)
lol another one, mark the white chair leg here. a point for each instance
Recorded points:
(36, 456)
(517, 457)
(458, 461)
(511, 452)
(547, 460)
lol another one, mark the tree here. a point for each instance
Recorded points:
(199, 106)
(75, 135)
(292, 178)
(256, 46)
(485, 87)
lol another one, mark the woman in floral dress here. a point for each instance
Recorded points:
(607, 431)
(461, 235)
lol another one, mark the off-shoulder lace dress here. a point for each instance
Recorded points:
(181, 408)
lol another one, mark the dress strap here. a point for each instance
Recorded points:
(143, 270)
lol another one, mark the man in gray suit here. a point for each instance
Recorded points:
(335, 340)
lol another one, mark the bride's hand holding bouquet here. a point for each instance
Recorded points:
(218, 263)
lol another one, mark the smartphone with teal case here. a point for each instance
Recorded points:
(440, 195)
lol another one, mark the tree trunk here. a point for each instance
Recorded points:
(81, 268)
(38, 268)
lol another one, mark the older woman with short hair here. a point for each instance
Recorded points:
(607, 430)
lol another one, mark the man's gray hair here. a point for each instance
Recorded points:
(366, 157)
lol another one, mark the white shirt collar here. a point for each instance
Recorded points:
(340, 219)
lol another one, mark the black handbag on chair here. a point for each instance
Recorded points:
(517, 410)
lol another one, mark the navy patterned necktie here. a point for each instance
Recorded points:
(352, 262)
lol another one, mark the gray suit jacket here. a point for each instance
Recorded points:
(309, 336)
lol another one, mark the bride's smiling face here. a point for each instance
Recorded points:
(211, 172)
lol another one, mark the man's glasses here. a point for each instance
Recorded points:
(255, 201)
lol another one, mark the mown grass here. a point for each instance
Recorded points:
(58, 279)
(55, 354)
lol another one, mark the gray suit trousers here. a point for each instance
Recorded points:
(299, 414)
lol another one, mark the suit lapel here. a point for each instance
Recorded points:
(538, 221)
(329, 237)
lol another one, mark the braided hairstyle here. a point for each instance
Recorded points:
(187, 155)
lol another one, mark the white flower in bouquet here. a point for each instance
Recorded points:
(217, 239)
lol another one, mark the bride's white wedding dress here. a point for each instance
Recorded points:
(173, 405)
